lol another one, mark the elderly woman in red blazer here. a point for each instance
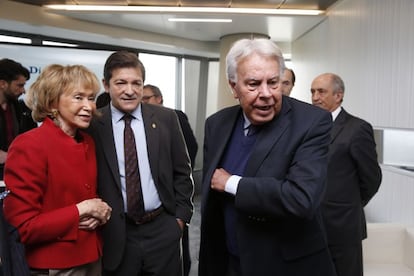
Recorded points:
(51, 174)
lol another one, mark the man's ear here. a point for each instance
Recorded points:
(106, 86)
(232, 85)
(159, 99)
(339, 97)
(3, 84)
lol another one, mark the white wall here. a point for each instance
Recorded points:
(394, 200)
(369, 43)
(161, 71)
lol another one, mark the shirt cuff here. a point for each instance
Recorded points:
(232, 184)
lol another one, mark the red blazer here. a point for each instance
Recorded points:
(48, 173)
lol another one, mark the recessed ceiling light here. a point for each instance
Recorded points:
(207, 20)
(54, 43)
(164, 9)
(14, 39)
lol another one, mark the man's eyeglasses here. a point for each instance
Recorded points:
(146, 98)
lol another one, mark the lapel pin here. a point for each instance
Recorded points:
(154, 125)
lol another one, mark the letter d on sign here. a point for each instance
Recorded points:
(34, 69)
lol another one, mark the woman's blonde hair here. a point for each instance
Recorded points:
(55, 80)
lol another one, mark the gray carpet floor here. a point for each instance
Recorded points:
(194, 236)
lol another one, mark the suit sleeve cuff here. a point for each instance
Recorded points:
(232, 184)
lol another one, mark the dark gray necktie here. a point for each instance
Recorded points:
(252, 130)
(135, 201)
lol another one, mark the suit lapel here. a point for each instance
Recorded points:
(223, 128)
(105, 133)
(225, 131)
(338, 124)
(267, 138)
(151, 126)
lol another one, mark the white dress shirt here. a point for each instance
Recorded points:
(335, 113)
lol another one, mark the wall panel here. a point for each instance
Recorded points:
(369, 44)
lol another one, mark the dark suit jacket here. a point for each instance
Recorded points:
(23, 122)
(354, 177)
(170, 168)
(189, 137)
(279, 226)
(22, 118)
(12, 251)
(4, 252)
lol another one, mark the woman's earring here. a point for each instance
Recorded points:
(54, 116)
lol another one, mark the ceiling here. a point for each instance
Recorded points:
(278, 28)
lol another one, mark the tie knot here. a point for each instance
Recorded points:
(127, 118)
(252, 129)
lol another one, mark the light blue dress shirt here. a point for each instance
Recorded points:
(151, 198)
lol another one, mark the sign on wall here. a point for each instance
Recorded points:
(36, 58)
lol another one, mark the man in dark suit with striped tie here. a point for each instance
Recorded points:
(146, 244)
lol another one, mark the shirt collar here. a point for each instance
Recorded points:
(335, 113)
(117, 114)
(246, 123)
